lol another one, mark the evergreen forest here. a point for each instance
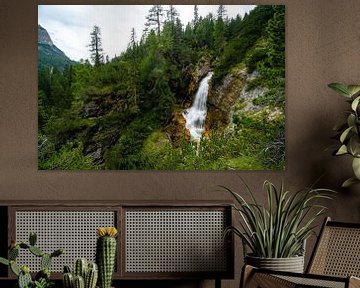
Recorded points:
(127, 113)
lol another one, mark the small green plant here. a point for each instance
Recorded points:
(85, 275)
(42, 278)
(349, 132)
(279, 229)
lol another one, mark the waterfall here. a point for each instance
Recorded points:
(196, 114)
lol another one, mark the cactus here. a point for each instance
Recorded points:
(32, 238)
(105, 254)
(80, 267)
(79, 282)
(4, 261)
(13, 253)
(57, 252)
(67, 269)
(36, 251)
(91, 276)
(45, 261)
(87, 272)
(14, 268)
(24, 280)
(68, 280)
(23, 273)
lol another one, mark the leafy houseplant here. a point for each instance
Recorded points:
(42, 278)
(349, 132)
(279, 229)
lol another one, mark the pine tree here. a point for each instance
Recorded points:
(154, 19)
(132, 43)
(221, 12)
(275, 32)
(171, 14)
(134, 68)
(220, 31)
(196, 15)
(96, 46)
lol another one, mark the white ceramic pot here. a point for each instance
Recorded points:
(291, 264)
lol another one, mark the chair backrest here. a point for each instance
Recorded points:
(337, 251)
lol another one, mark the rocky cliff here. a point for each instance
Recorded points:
(43, 36)
(48, 54)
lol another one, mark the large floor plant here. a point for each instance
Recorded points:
(279, 228)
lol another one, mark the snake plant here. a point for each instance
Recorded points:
(349, 132)
(279, 228)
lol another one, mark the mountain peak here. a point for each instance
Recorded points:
(43, 36)
(48, 54)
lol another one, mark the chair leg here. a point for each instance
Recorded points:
(250, 278)
(217, 282)
(246, 274)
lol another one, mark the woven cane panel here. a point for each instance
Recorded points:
(74, 231)
(308, 282)
(175, 241)
(339, 253)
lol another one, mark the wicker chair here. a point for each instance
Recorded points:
(334, 263)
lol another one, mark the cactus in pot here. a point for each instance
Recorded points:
(85, 275)
(106, 254)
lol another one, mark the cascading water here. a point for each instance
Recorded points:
(196, 114)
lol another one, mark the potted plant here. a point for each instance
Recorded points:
(42, 278)
(349, 132)
(276, 233)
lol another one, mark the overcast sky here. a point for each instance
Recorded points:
(69, 26)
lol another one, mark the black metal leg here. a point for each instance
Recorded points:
(217, 283)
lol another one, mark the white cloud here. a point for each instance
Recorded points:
(69, 26)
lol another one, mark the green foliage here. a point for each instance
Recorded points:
(43, 283)
(250, 29)
(50, 56)
(126, 153)
(279, 229)
(349, 132)
(69, 157)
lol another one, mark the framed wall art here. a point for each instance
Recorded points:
(161, 87)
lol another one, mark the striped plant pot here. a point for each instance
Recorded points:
(291, 264)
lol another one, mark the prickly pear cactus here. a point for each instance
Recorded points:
(23, 273)
(32, 238)
(45, 261)
(36, 251)
(24, 280)
(13, 253)
(106, 254)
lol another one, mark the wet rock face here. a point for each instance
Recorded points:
(177, 130)
(197, 74)
(222, 98)
(91, 110)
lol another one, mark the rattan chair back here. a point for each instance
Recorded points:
(337, 252)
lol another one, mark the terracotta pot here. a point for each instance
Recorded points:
(291, 264)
